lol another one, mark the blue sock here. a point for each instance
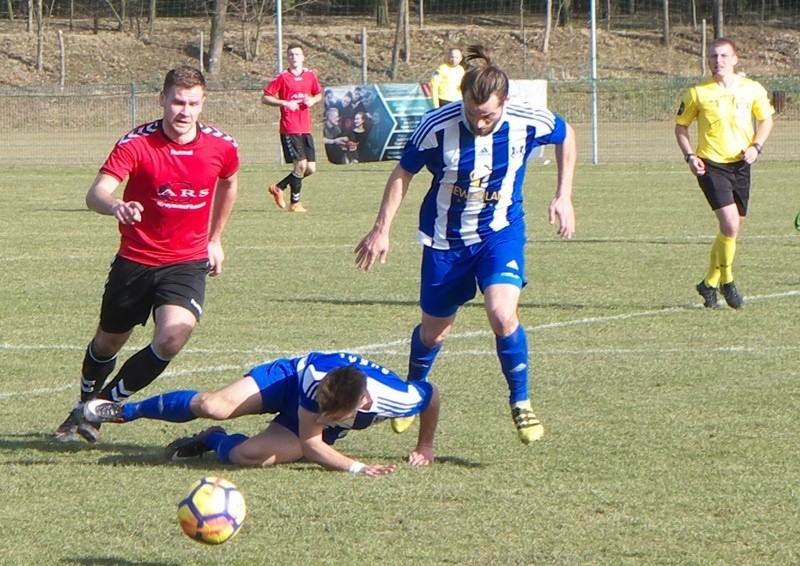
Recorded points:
(421, 358)
(513, 353)
(223, 444)
(172, 407)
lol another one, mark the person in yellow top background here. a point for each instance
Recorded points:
(725, 107)
(446, 80)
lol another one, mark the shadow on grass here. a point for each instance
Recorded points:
(112, 561)
(44, 443)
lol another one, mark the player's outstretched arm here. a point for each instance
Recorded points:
(561, 207)
(375, 245)
(100, 198)
(422, 455)
(315, 449)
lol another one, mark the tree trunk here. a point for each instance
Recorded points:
(120, 21)
(152, 14)
(406, 36)
(39, 36)
(217, 37)
(10, 7)
(398, 37)
(718, 31)
(548, 26)
(666, 31)
(382, 13)
(564, 12)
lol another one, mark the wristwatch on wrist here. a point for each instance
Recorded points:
(687, 156)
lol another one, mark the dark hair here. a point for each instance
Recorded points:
(481, 82)
(341, 390)
(295, 46)
(184, 76)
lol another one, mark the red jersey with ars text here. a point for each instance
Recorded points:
(175, 184)
(288, 86)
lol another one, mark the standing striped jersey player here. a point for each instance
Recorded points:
(471, 220)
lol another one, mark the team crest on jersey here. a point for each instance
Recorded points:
(479, 177)
(181, 194)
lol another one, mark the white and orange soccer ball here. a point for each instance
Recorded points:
(213, 511)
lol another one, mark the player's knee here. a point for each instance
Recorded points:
(168, 344)
(310, 170)
(245, 457)
(503, 323)
(433, 337)
(210, 406)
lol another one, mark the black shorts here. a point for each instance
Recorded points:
(133, 291)
(725, 184)
(297, 147)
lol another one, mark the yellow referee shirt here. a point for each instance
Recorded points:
(446, 83)
(724, 116)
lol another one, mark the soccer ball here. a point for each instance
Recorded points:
(213, 511)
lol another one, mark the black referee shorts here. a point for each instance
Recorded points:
(725, 184)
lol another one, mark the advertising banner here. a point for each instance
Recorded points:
(372, 122)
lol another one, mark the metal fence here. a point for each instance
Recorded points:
(635, 121)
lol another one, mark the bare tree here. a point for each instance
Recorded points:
(406, 37)
(398, 36)
(251, 16)
(548, 26)
(217, 37)
(564, 12)
(151, 19)
(718, 31)
(117, 16)
(382, 13)
(39, 36)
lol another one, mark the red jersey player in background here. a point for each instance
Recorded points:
(182, 185)
(295, 90)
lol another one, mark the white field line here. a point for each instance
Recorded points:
(390, 348)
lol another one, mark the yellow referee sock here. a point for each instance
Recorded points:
(725, 252)
(713, 275)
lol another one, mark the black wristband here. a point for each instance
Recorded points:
(757, 146)
(687, 156)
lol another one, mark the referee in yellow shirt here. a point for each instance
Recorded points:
(725, 107)
(446, 80)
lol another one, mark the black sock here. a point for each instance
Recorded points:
(286, 181)
(297, 184)
(135, 374)
(94, 373)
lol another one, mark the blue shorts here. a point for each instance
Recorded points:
(450, 278)
(280, 391)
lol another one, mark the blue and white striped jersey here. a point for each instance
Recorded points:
(477, 180)
(391, 396)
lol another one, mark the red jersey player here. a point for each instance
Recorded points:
(182, 185)
(294, 90)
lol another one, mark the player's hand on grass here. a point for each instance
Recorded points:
(374, 246)
(377, 470)
(421, 456)
(562, 209)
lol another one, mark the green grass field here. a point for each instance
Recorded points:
(673, 432)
